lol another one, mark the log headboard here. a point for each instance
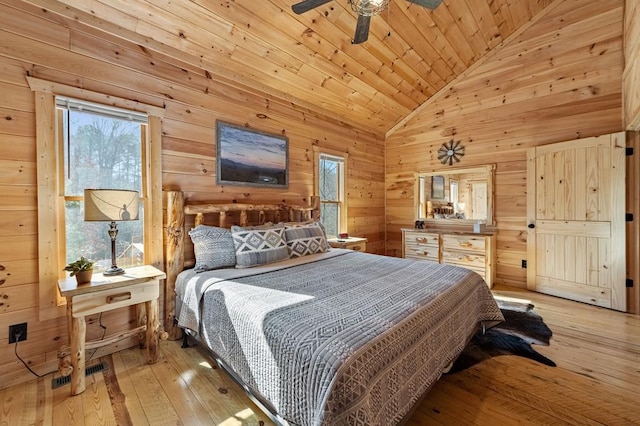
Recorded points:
(179, 214)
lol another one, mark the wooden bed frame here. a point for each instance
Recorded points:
(178, 209)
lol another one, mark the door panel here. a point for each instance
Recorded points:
(575, 214)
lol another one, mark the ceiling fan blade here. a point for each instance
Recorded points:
(362, 29)
(307, 5)
(429, 4)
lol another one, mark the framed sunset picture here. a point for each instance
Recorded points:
(250, 157)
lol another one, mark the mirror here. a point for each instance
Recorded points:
(456, 194)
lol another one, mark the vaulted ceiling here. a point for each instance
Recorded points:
(308, 59)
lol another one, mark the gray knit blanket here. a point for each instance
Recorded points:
(337, 338)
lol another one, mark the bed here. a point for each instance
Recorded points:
(332, 337)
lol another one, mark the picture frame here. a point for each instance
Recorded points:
(250, 157)
(437, 187)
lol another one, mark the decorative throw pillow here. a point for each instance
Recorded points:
(306, 239)
(259, 246)
(213, 248)
(266, 225)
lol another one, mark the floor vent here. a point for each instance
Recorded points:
(61, 381)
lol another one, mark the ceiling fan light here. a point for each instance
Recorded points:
(368, 7)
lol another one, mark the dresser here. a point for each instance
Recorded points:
(468, 250)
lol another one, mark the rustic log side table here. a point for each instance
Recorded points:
(137, 286)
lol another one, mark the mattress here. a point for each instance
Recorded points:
(337, 338)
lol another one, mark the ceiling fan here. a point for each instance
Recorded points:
(365, 10)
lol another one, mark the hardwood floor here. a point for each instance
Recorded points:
(597, 381)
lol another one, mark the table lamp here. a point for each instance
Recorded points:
(111, 205)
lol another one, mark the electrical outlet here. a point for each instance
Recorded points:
(524, 263)
(17, 332)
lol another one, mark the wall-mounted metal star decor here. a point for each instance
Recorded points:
(450, 151)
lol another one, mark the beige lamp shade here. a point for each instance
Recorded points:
(107, 205)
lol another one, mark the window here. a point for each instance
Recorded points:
(86, 139)
(453, 191)
(330, 187)
(102, 148)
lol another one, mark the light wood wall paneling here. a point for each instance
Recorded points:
(633, 227)
(631, 76)
(18, 272)
(560, 79)
(88, 22)
(15, 147)
(17, 21)
(12, 73)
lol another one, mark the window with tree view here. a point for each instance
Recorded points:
(331, 192)
(102, 148)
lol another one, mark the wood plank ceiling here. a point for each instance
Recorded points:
(308, 59)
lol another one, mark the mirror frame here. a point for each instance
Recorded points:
(488, 169)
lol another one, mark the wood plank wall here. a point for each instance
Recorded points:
(631, 76)
(631, 95)
(558, 80)
(633, 227)
(51, 47)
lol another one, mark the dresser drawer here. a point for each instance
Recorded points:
(463, 242)
(416, 239)
(422, 253)
(109, 299)
(466, 260)
(422, 245)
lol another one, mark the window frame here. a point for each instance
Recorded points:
(97, 109)
(51, 197)
(342, 202)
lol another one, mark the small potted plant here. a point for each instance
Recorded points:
(82, 269)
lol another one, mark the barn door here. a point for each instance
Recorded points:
(576, 220)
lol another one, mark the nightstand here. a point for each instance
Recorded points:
(137, 286)
(351, 243)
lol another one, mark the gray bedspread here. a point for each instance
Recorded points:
(338, 338)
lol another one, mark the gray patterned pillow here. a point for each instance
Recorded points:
(306, 239)
(213, 248)
(259, 246)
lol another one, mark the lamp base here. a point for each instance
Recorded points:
(113, 271)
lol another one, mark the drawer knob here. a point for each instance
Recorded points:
(356, 248)
(421, 239)
(466, 244)
(119, 297)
